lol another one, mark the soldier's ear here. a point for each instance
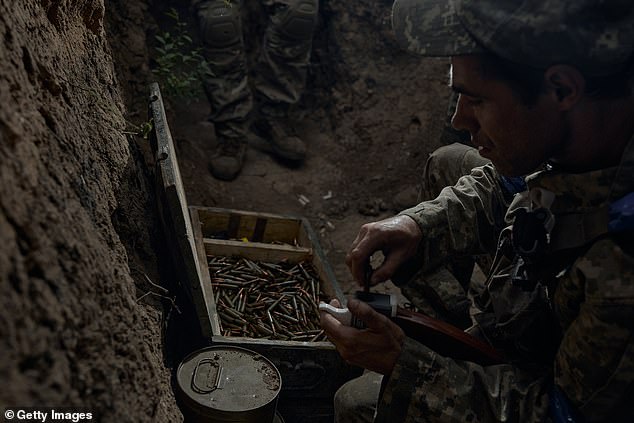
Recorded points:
(566, 85)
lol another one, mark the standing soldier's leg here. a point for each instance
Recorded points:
(226, 85)
(281, 71)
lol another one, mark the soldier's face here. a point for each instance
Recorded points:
(516, 137)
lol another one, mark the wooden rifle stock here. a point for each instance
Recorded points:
(446, 339)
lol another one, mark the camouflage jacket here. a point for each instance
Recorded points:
(573, 328)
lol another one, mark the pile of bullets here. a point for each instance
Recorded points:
(265, 300)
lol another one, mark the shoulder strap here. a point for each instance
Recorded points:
(578, 229)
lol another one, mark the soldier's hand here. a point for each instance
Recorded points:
(397, 237)
(376, 348)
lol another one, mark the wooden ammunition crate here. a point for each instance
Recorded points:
(311, 371)
(261, 237)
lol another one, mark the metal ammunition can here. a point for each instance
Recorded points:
(228, 384)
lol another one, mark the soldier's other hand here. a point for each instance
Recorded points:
(397, 237)
(376, 348)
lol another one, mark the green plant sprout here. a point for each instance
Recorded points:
(143, 130)
(180, 65)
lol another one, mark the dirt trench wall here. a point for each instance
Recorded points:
(71, 330)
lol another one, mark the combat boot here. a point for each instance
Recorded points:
(228, 159)
(275, 135)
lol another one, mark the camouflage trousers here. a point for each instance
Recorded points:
(356, 400)
(435, 292)
(280, 70)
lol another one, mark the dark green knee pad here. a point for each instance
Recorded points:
(220, 23)
(300, 19)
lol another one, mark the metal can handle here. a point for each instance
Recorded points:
(206, 377)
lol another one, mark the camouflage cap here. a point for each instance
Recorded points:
(597, 36)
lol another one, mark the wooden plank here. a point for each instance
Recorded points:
(279, 228)
(253, 342)
(302, 235)
(329, 284)
(174, 213)
(205, 281)
(269, 253)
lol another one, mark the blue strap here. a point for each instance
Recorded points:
(513, 185)
(561, 411)
(621, 214)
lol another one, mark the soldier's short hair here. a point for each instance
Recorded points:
(528, 82)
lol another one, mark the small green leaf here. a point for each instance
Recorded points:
(172, 13)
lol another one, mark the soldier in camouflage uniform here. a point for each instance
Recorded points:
(543, 85)
(280, 78)
(439, 288)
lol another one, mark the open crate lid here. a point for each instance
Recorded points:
(174, 213)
